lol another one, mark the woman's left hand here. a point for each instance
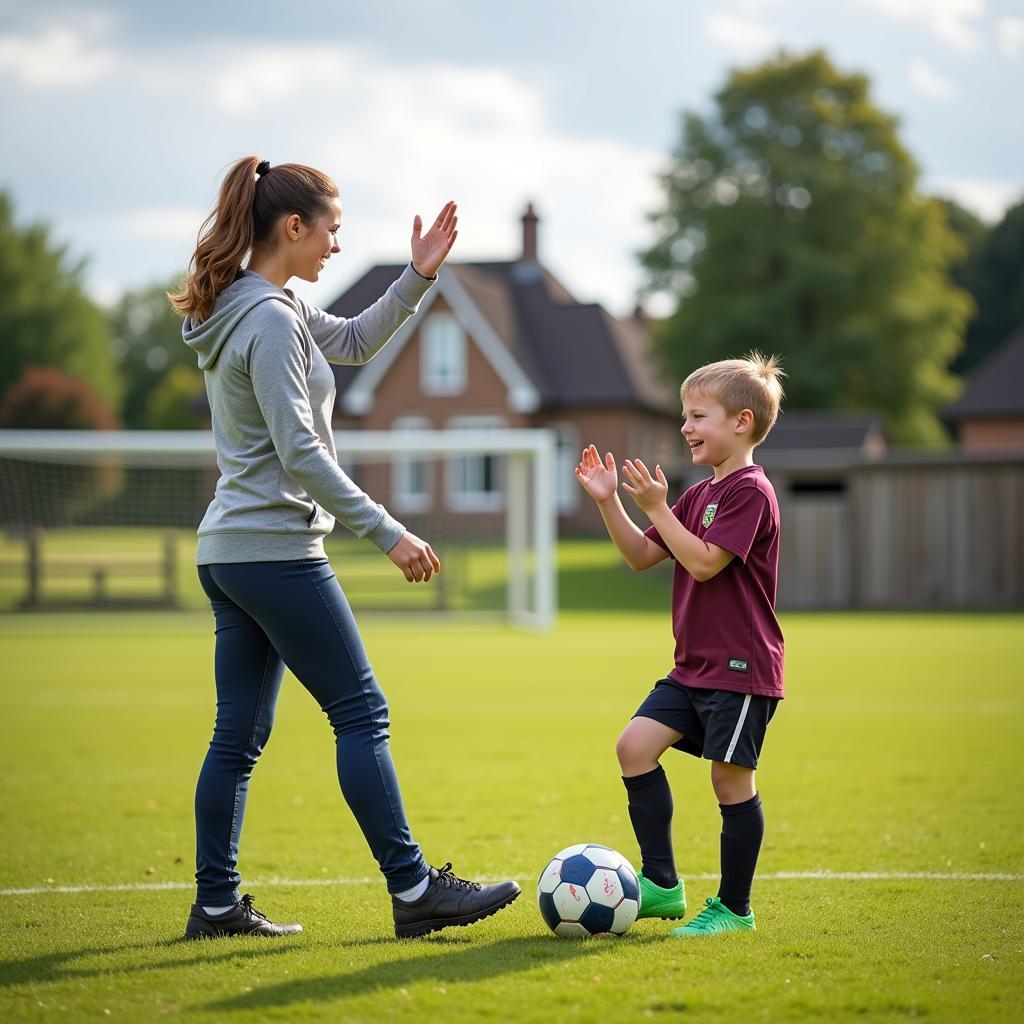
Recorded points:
(430, 250)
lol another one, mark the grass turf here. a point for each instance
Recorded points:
(897, 751)
(591, 574)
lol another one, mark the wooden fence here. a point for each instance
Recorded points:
(905, 532)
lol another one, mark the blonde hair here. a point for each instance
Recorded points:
(253, 197)
(752, 383)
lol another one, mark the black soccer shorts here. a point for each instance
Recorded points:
(719, 725)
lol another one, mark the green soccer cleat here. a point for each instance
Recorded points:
(715, 917)
(667, 904)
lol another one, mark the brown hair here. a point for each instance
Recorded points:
(752, 383)
(246, 212)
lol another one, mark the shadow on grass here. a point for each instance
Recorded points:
(59, 966)
(447, 966)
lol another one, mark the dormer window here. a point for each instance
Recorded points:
(442, 356)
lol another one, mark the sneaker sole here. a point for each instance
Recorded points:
(414, 931)
(680, 934)
(195, 933)
(661, 917)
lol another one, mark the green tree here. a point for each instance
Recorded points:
(46, 318)
(49, 493)
(175, 403)
(148, 346)
(970, 229)
(792, 223)
(994, 275)
(44, 398)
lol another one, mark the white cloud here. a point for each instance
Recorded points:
(743, 37)
(57, 58)
(399, 139)
(953, 21)
(988, 198)
(484, 139)
(161, 223)
(1010, 32)
(928, 82)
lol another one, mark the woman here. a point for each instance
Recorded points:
(261, 560)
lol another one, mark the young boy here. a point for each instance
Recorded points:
(718, 699)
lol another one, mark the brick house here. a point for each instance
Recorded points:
(989, 416)
(498, 345)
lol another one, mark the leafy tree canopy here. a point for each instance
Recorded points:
(792, 223)
(46, 318)
(148, 346)
(44, 398)
(994, 275)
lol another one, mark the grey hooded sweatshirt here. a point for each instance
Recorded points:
(265, 355)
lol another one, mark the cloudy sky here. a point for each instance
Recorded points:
(118, 116)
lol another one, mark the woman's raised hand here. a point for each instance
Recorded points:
(415, 558)
(599, 479)
(430, 250)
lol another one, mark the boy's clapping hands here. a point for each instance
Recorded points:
(647, 491)
(597, 478)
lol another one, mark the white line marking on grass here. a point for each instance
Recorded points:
(775, 876)
(885, 876)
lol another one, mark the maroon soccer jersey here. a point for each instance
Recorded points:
(727, 635)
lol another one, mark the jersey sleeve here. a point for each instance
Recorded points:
(739, 520)
(651, 533)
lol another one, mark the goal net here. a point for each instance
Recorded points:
(108, 519)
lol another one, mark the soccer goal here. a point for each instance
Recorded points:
(108, 519)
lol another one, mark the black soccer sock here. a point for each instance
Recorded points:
(742, 832)
(650, 811)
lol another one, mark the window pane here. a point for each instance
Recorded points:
(443, 356)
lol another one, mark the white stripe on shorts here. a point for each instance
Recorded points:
(739, 727)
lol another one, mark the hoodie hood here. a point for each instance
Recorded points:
(207, 338)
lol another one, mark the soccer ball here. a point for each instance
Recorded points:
(588, 889)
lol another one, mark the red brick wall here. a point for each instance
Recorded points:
(991, 437)
(399, 395)
(628, 433)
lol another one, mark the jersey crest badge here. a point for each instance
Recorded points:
(709, 515)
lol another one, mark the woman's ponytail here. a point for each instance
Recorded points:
(225, 237)
(245, 215)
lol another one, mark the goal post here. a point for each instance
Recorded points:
(82, 512)
(531, 514)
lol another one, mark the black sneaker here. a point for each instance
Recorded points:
(449, 901)
(245, 919)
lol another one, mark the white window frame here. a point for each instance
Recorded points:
(459, 499)
(567, 451)
(404, 468)
(443, 355)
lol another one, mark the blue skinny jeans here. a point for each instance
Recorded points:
(270, 615)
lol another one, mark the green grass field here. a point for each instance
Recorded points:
(896, 760)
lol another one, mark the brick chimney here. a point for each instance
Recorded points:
(529, 221)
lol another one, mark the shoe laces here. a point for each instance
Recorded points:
(451, 881)
(705, 920)
(250, 910)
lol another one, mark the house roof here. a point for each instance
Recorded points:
(804, 430)
(996, 389)
(574, 354)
